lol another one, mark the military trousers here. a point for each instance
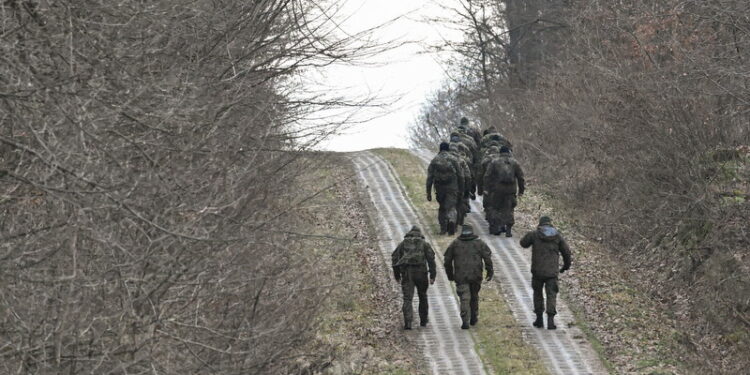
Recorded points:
(448, 201)
(500, 213)
(414, 277)
(550, 288)
(468, 294)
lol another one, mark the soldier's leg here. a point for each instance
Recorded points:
(508, 218)
(551, 289)
(440, 196)
(537, 286)
(474, 304)
(494, 213)
(407, 289)
(464, 296)
(451, 201)
(421, 282)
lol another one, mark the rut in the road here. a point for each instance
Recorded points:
(447, 348)
(565, 350)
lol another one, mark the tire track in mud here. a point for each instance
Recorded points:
(565, 350)
(447, 348)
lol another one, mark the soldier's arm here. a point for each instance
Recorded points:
(430, 179)
(527, 240)
(487, 257)
(395, 257)
(460, 176)
(565, 251)
(429, 254)
(520, 179)
(448, 262)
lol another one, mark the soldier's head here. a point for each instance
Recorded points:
(504, 150)
(489, 130)
(467, 230)
(415, 229)
(464, 121)
(455, 137)
(444, 146)
(461, 129)
(545, 220)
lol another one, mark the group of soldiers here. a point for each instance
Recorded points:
(467, 166)
(471, 165)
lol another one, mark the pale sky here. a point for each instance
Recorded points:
(408, 75)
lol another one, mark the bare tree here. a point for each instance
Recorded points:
(149, 153)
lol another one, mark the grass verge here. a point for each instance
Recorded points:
(631, 332)
(499, 340)
(359, 326)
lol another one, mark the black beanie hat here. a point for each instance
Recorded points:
(444, 146)
(464, 121)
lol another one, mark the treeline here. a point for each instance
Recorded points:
(150, 154)
(634, 116)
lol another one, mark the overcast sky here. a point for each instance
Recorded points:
(408, 74)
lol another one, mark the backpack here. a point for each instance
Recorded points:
(413, 253)
(442, 170)
(503, 171)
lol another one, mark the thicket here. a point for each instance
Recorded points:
(149, 152)
(636, 116)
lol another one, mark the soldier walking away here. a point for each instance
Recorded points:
(463, 264)
(502, 176)
(463, 201)
(547, 244)
(411, 261)
(444, 172)
(471, 130)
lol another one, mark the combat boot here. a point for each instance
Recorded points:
(539, 322)
(465, 325)
(551, 322)
(423, 322)
(507, 232)
(451, 228)
(474, 320)
(407, 325)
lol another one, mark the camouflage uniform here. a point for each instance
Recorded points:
(494, 138)
(547, 244)
(447, 192)
(471, 130)
(463, 264)
(463, 200)
(489, 156)
(502, 194)
(413, 274)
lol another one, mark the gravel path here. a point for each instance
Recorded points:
(565, 350)
(447, 348)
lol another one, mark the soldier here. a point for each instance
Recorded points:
(500, 180)
(463, 201)
(471, 130)
(547, 244)
(463, 264)
(492, 153)
(491, 136)
(411, 261)
(445, 174)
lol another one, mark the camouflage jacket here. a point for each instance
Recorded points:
(429, 254)
(456, 184)
(494, 139)
(547, 244)
(464, 257)
(490, 182)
